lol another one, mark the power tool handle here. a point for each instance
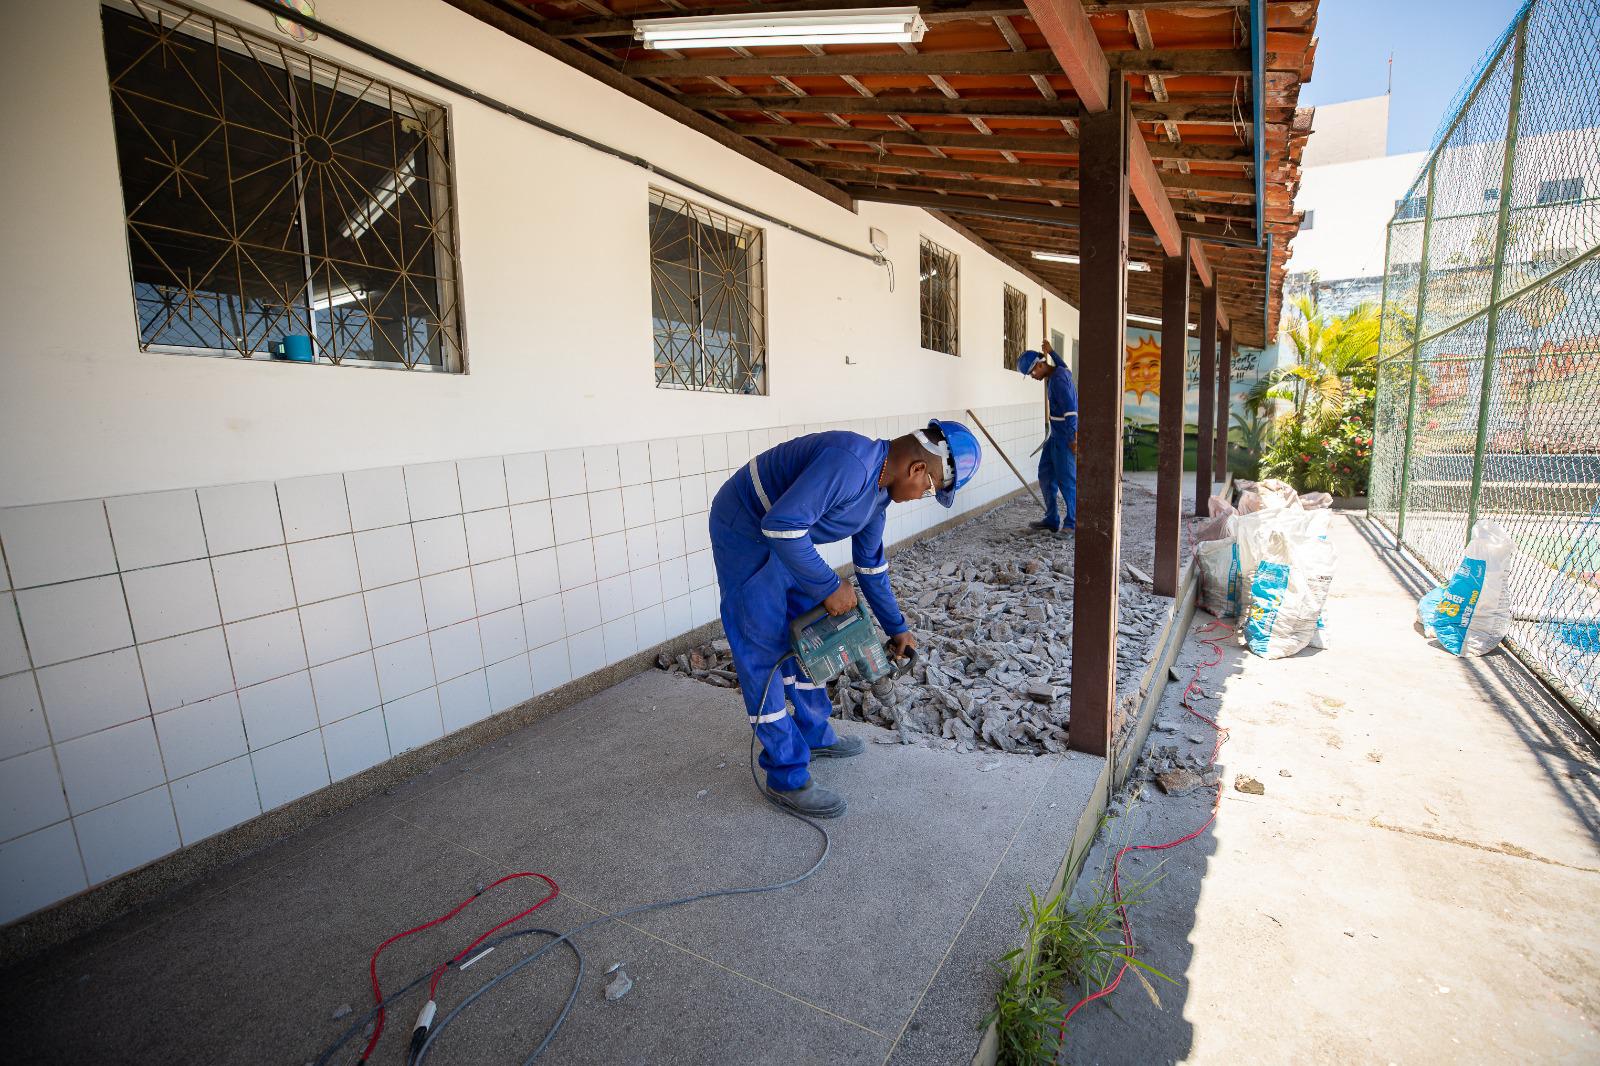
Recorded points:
(903, 666)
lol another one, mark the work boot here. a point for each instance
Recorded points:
(811, 800)
(1040, 523)
(842, 748)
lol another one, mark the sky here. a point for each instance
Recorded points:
(1436, 45)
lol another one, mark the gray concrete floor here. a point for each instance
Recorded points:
(639, 793)
(1423, 888)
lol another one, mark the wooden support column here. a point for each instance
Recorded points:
(1169, 423)
(1102, 323)
(1224, 401)
(1203, 453)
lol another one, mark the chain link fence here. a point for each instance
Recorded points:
(1488, 398)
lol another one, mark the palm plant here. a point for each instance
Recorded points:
(1330, 353)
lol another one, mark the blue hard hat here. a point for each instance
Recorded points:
(1026, 360)
(965, 455)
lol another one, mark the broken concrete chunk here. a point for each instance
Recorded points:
(1178, 782)
(619, 985)
(1249, 785)
(1040, 692)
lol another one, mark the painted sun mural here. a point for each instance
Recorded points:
(1141, 372)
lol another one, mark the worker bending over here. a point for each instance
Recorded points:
(1058, 463)
(766, 522)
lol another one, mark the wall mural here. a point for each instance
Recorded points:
(1141, 400)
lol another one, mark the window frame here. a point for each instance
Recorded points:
(291, 57)
(1014, 312)
(950, 291)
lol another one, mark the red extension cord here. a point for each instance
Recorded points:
(1215, 644)
(433, 985)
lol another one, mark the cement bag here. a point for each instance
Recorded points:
(1428, 610)
(1473, 615)
(1287, 594)
(1219, 576)
(1251, 532)
(1216, 527)
(1268, 495)
(1313, 500)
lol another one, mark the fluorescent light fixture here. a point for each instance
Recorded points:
(339, 297)
(1148, 321)
(888, 25)
(388, 191)
(1067, 257)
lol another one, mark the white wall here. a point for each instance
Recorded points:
(269, 576)
(1348, 131)
(1353, 204)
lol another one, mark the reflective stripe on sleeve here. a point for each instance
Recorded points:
(763, 719)
(785, 534)
(761, 491)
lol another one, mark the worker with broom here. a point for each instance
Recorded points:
(1058, 463)
(766, 522)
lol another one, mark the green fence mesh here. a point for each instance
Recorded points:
(1488, 397)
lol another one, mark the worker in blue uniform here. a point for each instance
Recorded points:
(1058, 463)
(766, 522)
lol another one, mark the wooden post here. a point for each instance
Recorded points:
(1208, 384)
(1102, 324)
(1169, 423)
(1224, 402)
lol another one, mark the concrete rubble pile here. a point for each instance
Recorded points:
(991, 604)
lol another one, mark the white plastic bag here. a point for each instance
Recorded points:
(1313, 500)
(1287, 593)
(1473, 616)
(1251, 531)
(1268, 495)
(1219, 576)
(1216, 527)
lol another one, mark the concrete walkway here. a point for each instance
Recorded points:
(1420, 882)
(640, 793)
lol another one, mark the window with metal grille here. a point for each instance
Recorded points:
(941, 318)
(277, 203)
(1559, 191)
(1016, 326)
(708, 298)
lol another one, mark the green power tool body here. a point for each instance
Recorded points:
(827, 646)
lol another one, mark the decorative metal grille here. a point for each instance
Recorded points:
(271, 194)
(1016, 326)
(941, 325)
(708, 297)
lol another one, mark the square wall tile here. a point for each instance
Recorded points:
(155, 528)
(413, 721)
(703, 605)
(404, 668)
(509, 683)
(386, 556)
(663, 459)
(287, 771)
(571, 516)
(313, 507)
(324, 568)
(356, 744)
(616, 598)
(674, 578)
(566, 472)
(587, 651)
(549, 666)
(526, 478)
(128, 834)
(503, 635)
(581, 608)
(167, 600)
(335, 629)
(532, 527)
(216, 799)
(13, 649)
(394, 612)
(738, 447)
(697, 534)
(277, 710)
(693, 490)
(110, 765)
(489, 535)
(456, 650)
(495, 585)
(668, 499)
(56, 542)
(633, 462)
(22, 727)
(441, 544)
(377, 498)
(691, 456)
(463, 701)
(75, 619)
(432, 490)
(544, 621)
(248, 584)
(447, 598)
(646, 587)
(651, 625)
(575, 564)
(266, 647)
(600, 467)
(483, 483)
(201, 735)
(621, 639)
(241, 517)
(605, 512)
(537, 575)
(86, 695)
(39, 869)
(678, 615)
(702, 571)
(610, 555)
(345, 687)
(30, 793)
(670, 538)
(642, 547)
(184, 669)
(715, 447)
(638, 505)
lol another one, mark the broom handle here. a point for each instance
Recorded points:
(1007, 458)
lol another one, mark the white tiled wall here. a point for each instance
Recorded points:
(174, 664)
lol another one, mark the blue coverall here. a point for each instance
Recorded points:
(1058, 467)
(766, 521)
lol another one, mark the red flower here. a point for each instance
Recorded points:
(1304, 458)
